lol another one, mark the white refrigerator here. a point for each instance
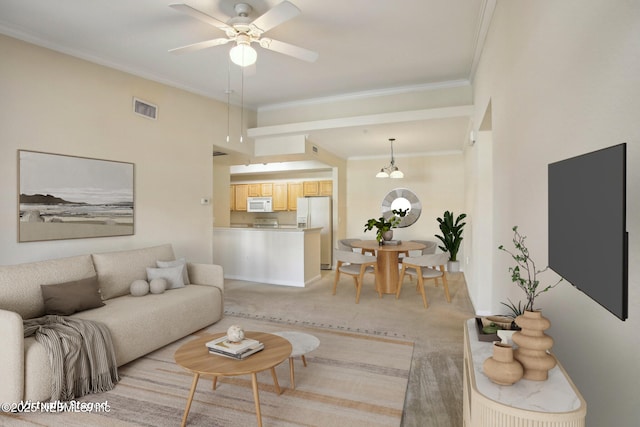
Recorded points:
(316, 212)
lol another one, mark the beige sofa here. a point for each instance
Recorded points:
(138, 325)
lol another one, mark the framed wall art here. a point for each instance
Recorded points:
(69, 197)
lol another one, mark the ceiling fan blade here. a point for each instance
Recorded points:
(276, 16)
(199, 45)
(289, 49)
(181, 7)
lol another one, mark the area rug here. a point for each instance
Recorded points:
(351, 379)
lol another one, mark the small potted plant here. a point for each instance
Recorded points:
(383, 226)
(451, 238)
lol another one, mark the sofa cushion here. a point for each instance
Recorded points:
(117, 270)
(70, 297)
(173, 275)
(179, 261)
(157, 319)
(20, 284)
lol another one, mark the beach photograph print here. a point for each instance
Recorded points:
(68, 197)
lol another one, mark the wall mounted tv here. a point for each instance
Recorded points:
(588, 242)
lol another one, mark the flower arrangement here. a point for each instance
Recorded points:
(527, 267)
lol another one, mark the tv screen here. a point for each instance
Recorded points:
(587, 225)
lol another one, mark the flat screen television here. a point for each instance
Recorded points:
(588, 243)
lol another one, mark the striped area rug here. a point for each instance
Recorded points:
(351, 380)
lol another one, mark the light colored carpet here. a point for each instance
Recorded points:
(434, 392)
(351, 380)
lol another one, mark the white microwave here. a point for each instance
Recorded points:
(259, 204)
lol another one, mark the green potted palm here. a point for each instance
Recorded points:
(383, 226)
(451, 238)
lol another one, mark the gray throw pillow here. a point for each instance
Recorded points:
(67, 298)
(176, 263)
(173, 275)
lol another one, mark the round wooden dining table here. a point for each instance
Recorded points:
(387, 259)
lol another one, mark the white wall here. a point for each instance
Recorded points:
(438, 181)
(54, 103)
(562, 78)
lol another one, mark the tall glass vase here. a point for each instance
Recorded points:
(533, 345)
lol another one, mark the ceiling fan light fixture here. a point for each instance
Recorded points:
(242, 53)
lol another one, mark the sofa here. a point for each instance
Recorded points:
(138, 324)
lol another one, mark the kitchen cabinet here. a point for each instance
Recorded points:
(326, 188)
(295, 191)
(232, 197)
(266, 189)
(280, 196)
(310, 188)
(254, 190)
(241, 194)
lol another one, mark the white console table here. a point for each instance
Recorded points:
(552, 403)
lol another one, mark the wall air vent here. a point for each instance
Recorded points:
(218, 153)
(314, 148)
(145, 109)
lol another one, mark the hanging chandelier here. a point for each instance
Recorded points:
(392, 170)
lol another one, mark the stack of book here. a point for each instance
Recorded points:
(236, 350)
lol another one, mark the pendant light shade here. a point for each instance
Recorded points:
(391, 171)
(242, 53)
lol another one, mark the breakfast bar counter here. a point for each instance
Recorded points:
(277, 256)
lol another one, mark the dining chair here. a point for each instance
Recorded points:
(355, 265)
(430, 266)
(345, 244)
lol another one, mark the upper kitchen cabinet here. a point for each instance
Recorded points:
(254, 190)
(326, 188)
(310, 188)
(241, 194)
(295, 191)
(280, 196)
(266, 189)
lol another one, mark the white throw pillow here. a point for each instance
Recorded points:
(176, 263)
(173, 275)
(158, 286)
(139, 288)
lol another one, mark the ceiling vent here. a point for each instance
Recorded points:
(218, 153)
(145, 109)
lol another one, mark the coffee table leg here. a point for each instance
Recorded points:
(275, 380)
(256, 398)
(194, 383)
(214, 383)
(291, 374)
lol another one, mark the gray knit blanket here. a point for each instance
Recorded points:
(81, 355)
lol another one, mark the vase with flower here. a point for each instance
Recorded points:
(533, 343)
(384, 226)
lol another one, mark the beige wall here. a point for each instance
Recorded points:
(562, 78)
(438, 181)
(55, 103)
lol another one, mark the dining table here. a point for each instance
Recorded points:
(387, 258)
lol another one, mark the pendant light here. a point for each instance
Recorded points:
(392, 170)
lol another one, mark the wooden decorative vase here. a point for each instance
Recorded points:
(501, 368)
(533, 345)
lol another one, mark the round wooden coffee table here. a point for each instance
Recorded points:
(195, 357)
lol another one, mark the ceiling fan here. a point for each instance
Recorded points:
(242, 31)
